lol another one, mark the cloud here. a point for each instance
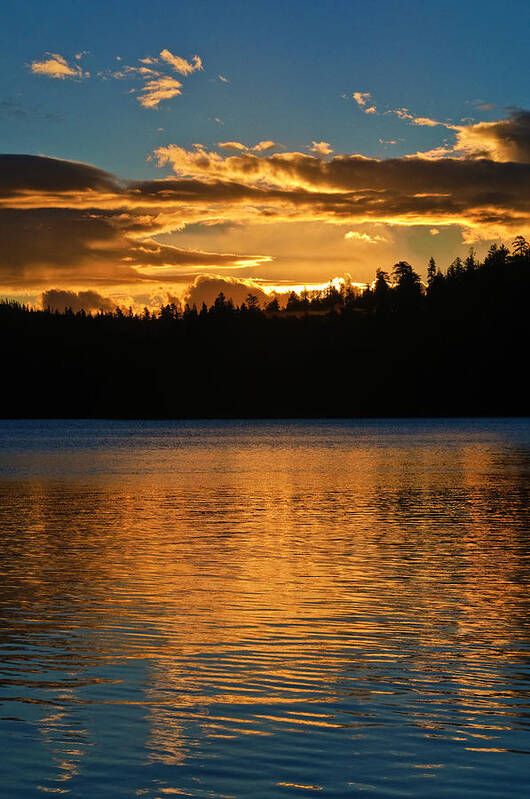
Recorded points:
(56, 66)
(260, 147)
(68, 223)
(410, 190)
(144, 72)
(158, 84)
(502, 140)
(364, 238)
(180, 65)
(402, 113)
(434, 231)
(232, 145)
(426, 122)
(205, 288)
(61, 299)
(63, 220)
(158, 89)
(363, 99)
(321, 148)
(223, 79)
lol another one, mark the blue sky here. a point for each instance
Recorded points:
(291, 71)
(289, 63)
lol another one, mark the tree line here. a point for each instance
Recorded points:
(454, 345)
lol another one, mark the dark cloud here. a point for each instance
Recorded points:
(205, 288)
(38, 173)
(60, 300)
(44, 245)
(73, 222)
(503, 140)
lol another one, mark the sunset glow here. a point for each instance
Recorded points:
(296, 198)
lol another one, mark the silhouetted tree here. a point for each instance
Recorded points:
(273, 306)
(408, 286)
(470, 263)
(431, 271)
(293, 302)
(252, 302)
(520, 246)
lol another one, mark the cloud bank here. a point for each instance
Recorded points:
(60, 300)
(68, 221)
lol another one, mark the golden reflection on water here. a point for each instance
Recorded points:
(263, 587)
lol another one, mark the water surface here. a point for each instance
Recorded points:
(241, 609)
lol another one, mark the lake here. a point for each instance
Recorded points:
(265, 609)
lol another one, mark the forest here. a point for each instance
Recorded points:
(455, 345)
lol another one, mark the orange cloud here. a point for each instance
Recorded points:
(68, 221)
(502, 140)
(364, 238)
(158, 89)
(321, 148)
(363, 99)
(426, 122)
(260, 147)
(56, 66)
(180, 65)
(232, 145)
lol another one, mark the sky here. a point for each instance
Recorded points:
(169, 149)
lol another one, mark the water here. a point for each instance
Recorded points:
(264, 610)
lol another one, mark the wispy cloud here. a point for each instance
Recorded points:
(56, 66)
(232, 145)
(159, 83)
(158, 89)
(321, 148)
(364, 101)
(223, 79)
(180, 65)
(426, 122)
(260, 147)
(364, 238)
(402, 113)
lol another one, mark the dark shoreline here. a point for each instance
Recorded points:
(459, 348)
